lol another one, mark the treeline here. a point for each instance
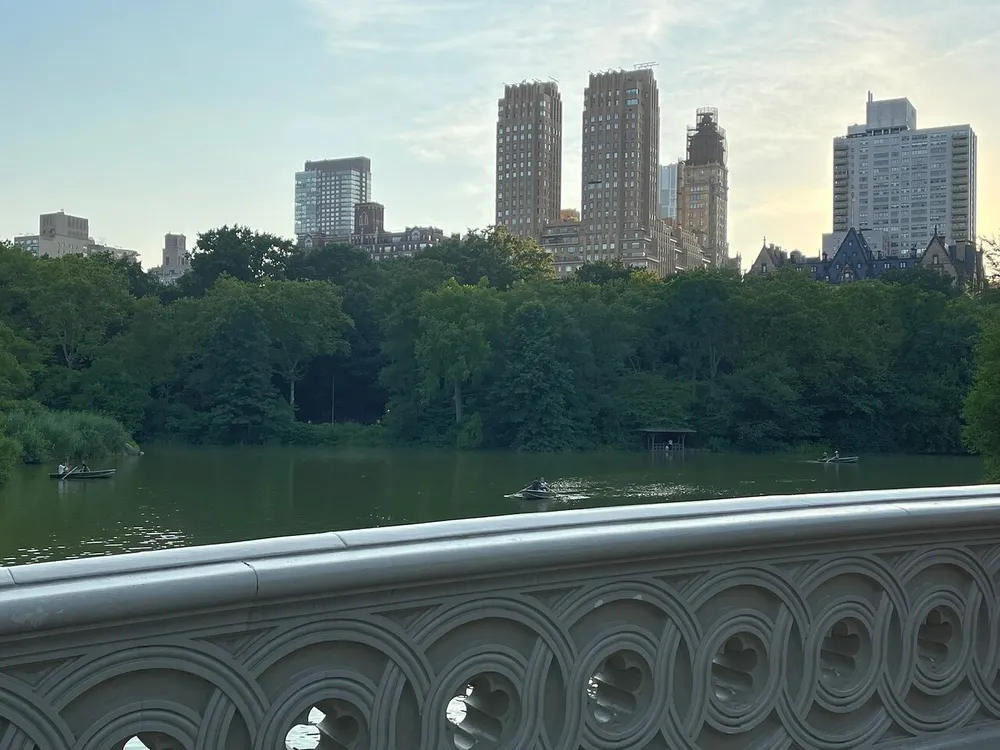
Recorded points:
(475, 343)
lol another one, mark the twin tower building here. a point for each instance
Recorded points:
(663, 218)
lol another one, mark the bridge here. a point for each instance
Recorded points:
(819, 622)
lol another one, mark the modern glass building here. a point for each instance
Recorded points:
(668, 191)
(326, 193)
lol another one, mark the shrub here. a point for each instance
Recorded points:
(44, 435)
(352, 434)
(10, 454)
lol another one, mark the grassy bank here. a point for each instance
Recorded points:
(35, 435)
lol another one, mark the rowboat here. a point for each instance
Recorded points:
(99, 474)
(837, 460)
(529, 494)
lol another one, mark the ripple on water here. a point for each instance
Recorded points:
(663, 491)
(131, 539)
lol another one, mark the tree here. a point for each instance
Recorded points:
(536, 392)
(304, 321)
(605, 272)
(233, 395)
(236, 251)
(496, 254)
(923, 278)
(334, 262)
(477, 338)
(126, 377)
(140, 284)
(15, 378)
(982, 406)
(18, 277)
(699, 322)
(454, 344)
(75, 301)
(991, 260)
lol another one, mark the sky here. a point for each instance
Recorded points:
(155, 116)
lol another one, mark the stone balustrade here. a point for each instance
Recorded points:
(819, 622)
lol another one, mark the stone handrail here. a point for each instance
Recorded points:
(828, 622)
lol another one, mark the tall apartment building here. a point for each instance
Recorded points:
(703, 192)
(620, 182)
(61, 234)
(529, 157)
(326, 193)
(891, 176)
(668, 189)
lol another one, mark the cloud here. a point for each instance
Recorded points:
(452, 131)
(786, 78)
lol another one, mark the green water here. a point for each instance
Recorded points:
(185, 496)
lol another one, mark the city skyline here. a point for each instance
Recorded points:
(199, 129)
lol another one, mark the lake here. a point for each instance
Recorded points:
(175, 497)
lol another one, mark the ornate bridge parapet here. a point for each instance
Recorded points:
(827, 622)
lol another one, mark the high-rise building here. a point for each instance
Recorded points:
(621, 156)
(61, 234)
(703, 193)
(326, 193)
(889, 175)
(529, 157)
(176, 260)
(668, 189)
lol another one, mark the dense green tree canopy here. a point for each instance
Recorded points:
(982, 408)
(476, 343)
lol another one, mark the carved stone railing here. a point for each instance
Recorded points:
(824, 622)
